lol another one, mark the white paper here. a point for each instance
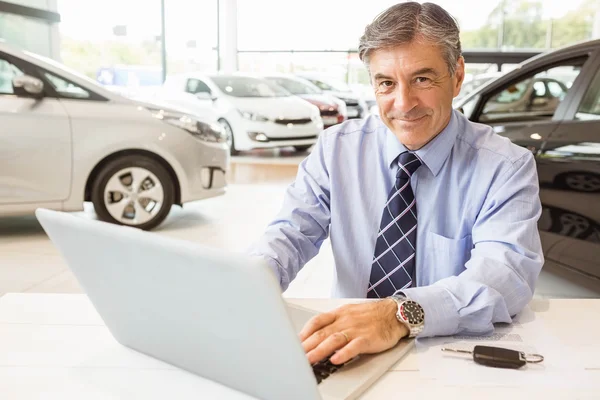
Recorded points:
(562, 367)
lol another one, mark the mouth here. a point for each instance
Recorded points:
(411, 121)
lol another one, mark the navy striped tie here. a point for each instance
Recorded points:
(393, 265)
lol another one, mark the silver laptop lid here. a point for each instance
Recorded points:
(216, 314)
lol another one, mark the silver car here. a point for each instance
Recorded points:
(65, 140)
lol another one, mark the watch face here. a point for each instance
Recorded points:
(412, 312)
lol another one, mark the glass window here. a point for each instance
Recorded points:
(556, 89)
(8, 72)
(295, 86)
(248, 87)
(590, 106)
(197, 86)
(532, 98)
(65, 88)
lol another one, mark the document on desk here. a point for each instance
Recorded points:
(560, 368)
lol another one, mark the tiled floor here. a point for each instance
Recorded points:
(30, 263)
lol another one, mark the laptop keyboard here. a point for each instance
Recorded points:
(324, 368)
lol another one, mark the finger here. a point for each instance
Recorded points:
(326, 348)
(316, 339)
(316, 323)
(348, 352)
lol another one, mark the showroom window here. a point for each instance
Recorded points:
(8, 72)
(535, 97)
(590, 106)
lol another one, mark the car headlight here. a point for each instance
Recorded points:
(252, 116)
(201, 130)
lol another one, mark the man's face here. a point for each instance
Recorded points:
(414, 90)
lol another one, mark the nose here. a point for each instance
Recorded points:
(404, 99)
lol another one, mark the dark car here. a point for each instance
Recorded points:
(551, 105)
(333, 110)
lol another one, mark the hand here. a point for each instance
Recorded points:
(352, 329)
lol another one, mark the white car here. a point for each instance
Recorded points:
(255, 113)
(65, 140)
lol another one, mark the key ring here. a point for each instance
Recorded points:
(532, 358)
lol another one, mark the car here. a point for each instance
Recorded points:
(332, 109)
(356, 107)
(255, 113)
(67, 140)
(550, 104)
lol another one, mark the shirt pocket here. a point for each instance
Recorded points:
(444, 257)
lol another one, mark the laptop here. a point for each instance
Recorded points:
(216, 314)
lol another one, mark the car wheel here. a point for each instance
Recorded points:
(579, 181)
(566, 223)
(229, 134)
(133, 190)
(302, 148)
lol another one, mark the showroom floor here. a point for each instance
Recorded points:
(30, 263)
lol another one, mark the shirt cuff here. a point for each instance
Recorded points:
(441, 315)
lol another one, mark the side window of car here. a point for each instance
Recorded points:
(533, 97)
(65, 88)
(8, 72)
(196, 86)
(589, 109)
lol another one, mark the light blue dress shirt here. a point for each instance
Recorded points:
(478, 250)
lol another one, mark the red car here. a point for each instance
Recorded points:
(333, 110)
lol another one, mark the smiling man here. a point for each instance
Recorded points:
(430, 215)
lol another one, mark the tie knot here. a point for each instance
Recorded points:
(408, 163)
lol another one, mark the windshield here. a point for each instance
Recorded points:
(335, 86)
(296, 87)
(238, 86)
(64, 68)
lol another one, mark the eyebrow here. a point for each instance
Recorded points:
(422, 71)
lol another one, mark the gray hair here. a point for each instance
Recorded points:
(404, 22)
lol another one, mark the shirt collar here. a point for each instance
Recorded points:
(433, 154)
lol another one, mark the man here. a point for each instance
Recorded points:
(432, 214)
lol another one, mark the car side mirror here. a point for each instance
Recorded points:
(28, 85)
(539, 101)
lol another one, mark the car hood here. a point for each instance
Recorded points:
(203, 114)
(322, 101)
(288, 107)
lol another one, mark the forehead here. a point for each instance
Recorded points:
(407, 58)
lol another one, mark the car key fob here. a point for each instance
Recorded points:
(498, 357)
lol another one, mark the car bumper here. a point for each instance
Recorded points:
(205, 166)
(257, 135)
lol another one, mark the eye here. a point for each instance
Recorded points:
(386, 84)
(422, 80)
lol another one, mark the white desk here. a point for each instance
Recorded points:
(54, 346)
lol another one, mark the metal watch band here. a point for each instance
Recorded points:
(413, 329)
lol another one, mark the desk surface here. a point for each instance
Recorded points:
(55, 346)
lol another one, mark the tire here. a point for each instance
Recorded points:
(125, 206)
(230, 137)
(303, 148)
(579, 181)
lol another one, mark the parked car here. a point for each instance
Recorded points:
(332, 109)
(356, 107)
(254, 112)
(551, 105)
(66, 140)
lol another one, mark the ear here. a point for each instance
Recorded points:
(459, 75)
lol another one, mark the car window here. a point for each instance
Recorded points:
(238, 86)
(295, 87)
(8, 72)
(589, 109)
(531, 98)
(197, 86)
(556, 89)
(65, 88)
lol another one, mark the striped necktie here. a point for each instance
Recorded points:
(393, 265)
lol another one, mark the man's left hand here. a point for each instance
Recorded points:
(352, 329)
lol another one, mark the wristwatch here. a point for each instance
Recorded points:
(411, 314)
